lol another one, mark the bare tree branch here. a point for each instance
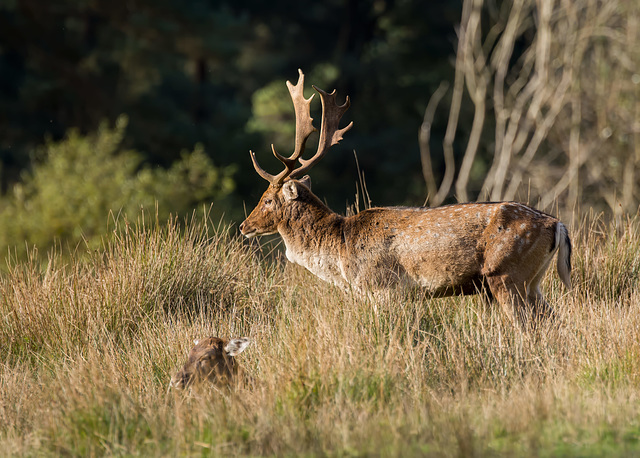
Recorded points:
(566, 107)
(424, 136)
(477, 76)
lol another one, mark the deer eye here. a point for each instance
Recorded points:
(268, 201)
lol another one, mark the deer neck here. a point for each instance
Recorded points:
(312, 234)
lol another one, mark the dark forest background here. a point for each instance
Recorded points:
(213, 73)
(112, 106)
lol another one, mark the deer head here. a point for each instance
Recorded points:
(283, 188)
(210, 359)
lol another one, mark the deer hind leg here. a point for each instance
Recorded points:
(519, 292)
(511, 295)
(539, 306)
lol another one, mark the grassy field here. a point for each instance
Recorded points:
(88, 345)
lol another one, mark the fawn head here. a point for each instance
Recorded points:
(210, 359)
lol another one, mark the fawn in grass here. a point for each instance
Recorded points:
(211, 359)
(501, 248)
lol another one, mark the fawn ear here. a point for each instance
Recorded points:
(236, 346)
(290, 190)
(306, 180)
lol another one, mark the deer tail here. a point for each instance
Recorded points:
(563, 242)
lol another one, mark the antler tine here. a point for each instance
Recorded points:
(304, 121)
(329, 133)
(273, 179)
(304, 128)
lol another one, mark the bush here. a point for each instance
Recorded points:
(82, 182)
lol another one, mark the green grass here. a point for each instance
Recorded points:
(88, 345)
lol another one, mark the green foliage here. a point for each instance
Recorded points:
(273, 114)
(191, 181)
(81, 180)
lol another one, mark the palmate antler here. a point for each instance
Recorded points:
(329, 132)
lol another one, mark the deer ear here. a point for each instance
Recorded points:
(290, 190)
(236, 346)
(306, 180)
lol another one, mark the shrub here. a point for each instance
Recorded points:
(69, 194)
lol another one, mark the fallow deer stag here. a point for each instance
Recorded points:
(210, 359)
(503, 248)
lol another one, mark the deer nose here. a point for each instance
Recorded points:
(242, 226)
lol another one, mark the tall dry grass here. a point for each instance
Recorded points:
(88, 345)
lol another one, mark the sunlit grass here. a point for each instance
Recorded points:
(87, 348)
